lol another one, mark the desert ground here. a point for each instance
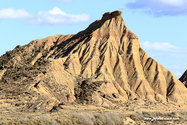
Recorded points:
(131, 112)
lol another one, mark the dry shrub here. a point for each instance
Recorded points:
(84, 119)
(47, 120)
(134, 117)
(115, 117)
(147, 114)
(3, 123)
(53, 122)
(100, 119)
(109, 118)
(67, 121)
(30, 122)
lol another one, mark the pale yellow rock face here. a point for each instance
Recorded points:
(2, 73)
(106, 51)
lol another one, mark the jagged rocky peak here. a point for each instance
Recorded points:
(111, 24)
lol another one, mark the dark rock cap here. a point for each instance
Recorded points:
(108, 15)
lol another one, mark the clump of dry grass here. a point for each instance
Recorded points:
(148, 114)
(67, 121)
(108, 118)
(134, 117)
(113, 118)
(100, 119)
(85, 119)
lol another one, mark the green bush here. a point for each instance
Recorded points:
(55, 107)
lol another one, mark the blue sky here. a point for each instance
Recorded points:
(159, 24)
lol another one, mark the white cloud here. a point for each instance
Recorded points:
(56, 10)
(172, 2)
(57, 17)
(11, 13)
(52, 17)
(156, 46)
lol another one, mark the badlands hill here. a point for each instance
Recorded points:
(183, 78)
(101, 65)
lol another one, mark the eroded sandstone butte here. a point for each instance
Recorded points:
(183, 78)
(104, 62)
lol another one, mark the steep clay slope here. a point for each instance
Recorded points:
(103, 65)
(183, 78)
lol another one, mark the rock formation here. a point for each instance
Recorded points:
(183, 78)
(103, 65)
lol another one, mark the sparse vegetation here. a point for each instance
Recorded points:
(35, 54)
(109, 118)
(147, 114)
(24, 74)
(84, 119)
(24, 54)
(85, 88)
(11, 66)
(55, 107)
(30, 59)
(35, 64)
(134, 117)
